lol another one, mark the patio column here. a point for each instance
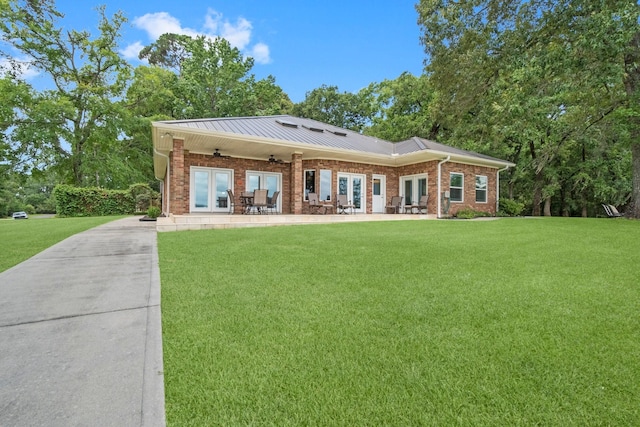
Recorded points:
(297, 185)
(178, 178)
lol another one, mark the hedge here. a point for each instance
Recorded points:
(92, 201)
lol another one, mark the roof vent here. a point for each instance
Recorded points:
(287, 123)
(337, 132)
(315, 129)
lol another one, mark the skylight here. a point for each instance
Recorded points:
(337, 132)
(315, 129)
(287, 123)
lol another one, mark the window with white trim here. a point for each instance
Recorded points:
(309, 183)
(456, 187)
(325, 184)
(481, 189)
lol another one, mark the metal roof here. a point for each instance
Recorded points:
(281, 135)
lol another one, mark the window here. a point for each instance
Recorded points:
(456, 185)
(325, 184)
(481, 189)
(309, 183)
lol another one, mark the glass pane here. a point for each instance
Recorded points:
(309, 183)
(271, 183)
(408, 191)
(376, 186)
(222, 184)
(357, 192)
(325, 184)
(422, 187)
(456, 180)
(481, 182)
(253, 183)
(343, 185)
(202, 189)
(456, 194)
(481, 196)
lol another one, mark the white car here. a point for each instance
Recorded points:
(20, 215)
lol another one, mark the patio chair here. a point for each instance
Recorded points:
(316, 207)
(232, 203)
(260, 200)
(395, 206)
(272, 204)
(611, 211)
(343, 204)
(422, 205)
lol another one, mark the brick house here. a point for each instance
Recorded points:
(198, 160)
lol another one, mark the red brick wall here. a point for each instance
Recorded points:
(292, 191)
(469, 190)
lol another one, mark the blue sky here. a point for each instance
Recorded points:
(303, 44)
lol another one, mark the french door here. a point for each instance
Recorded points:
(208, 189)
(272, 182)
(413, 187)
(354, 186)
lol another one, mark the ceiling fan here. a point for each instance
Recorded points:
(272, 159)
(217, 153)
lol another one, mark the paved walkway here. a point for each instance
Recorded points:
(80, 332)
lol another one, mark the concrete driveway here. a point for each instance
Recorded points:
(80, 332)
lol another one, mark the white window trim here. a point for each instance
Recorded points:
(486, 189)
(304, 183)
(461, 188)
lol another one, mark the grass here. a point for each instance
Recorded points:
(21, 239)
(515, 322)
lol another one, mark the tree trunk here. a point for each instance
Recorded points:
(547, 206)
(635, 172)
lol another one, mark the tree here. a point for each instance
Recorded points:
(75, 127)
(346, 110)
(533, 77)
(213, 79)
(403, 109)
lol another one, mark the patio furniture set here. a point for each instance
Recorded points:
(255, 202)
(258, 202)
(397, 205)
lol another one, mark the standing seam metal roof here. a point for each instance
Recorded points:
(268, 127)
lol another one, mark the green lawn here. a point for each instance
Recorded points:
(515, 322)
(22, 239)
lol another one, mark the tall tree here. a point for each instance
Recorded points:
(348, 110)
(74, 126)
(403, 109)
(532, 77)
(213, 78)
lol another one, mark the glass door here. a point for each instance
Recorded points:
(209, 189)
(413, 187)
(353, 185)
(265, 180)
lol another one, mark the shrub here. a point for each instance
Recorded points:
(468, 213)
(153, 212)
(510, 207)
(92, 201)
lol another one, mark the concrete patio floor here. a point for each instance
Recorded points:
(197, 221)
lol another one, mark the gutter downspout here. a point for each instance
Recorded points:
(165, 182)
(498, 187)
(440, 185)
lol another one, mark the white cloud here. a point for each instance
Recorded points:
(132, 51)
(238, 34)
(21, 67)
(260, 53)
